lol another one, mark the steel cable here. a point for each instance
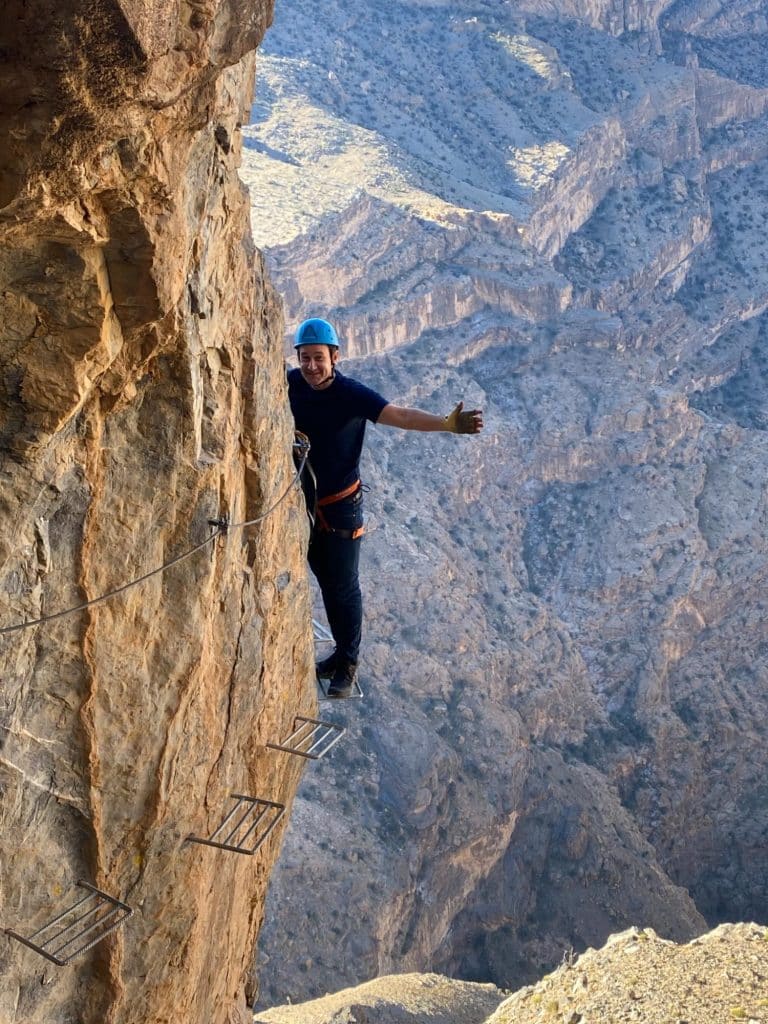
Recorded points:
(220, 527)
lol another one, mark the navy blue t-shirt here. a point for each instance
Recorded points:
(334, 421)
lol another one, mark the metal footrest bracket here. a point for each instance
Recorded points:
(323, 684)
(254, 820)
(77, 929)
(310, 738)
(320, 634)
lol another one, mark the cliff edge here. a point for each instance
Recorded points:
(635, 976)
(141, 395)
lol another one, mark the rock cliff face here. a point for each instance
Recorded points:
(140, 395)
(558, 216)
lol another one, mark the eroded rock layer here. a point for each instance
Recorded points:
(556, 213)
(140, 396)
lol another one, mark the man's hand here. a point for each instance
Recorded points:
(457, 422)
(460, 422)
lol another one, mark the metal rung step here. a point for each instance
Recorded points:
(78, 928)
(323, 684)
(320, 634)
(310, 738)
(254, 825)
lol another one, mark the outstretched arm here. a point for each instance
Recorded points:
(456, 422)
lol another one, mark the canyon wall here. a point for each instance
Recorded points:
(557, 215)
(141, 394)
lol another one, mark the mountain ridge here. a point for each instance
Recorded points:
(557, 217)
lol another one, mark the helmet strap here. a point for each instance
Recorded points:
(331, 376)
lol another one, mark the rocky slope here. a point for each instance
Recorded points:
(397, 999)
(558, 217)
(140, 395)
(639, 977)
(636, 976)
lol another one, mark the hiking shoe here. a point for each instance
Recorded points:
(342, 682)
(326, 667)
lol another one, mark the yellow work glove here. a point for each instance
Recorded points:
(460, 422)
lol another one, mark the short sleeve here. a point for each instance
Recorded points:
(369, 403)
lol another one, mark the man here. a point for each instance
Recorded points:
(332, 411)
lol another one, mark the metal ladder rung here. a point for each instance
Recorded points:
(50, 945)
(320, 634)
(312, 738)
(357, 693)
(260, 811)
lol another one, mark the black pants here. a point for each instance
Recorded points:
(334, 560)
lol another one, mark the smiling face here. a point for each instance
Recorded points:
(316, 363)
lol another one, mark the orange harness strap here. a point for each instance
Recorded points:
(331, 499)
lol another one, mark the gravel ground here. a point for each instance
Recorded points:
(394, 999)
(636, 978)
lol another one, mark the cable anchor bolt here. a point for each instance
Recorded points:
(221, 524)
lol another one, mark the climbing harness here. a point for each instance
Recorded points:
(218, 526)
(316, 505)
(332, 499)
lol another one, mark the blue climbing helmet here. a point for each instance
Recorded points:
(316, 331)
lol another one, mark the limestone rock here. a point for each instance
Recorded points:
(140, 395)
